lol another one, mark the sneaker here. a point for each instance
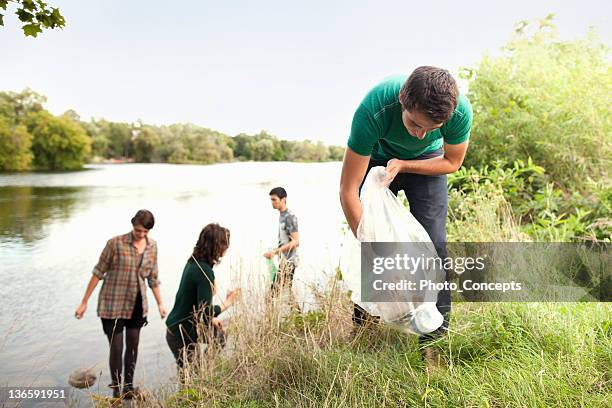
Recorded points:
(116, 390)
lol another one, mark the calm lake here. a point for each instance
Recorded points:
(53, 227)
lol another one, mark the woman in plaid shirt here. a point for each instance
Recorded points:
(126, 261)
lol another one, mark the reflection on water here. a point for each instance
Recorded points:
(54, 225)
(26, 210)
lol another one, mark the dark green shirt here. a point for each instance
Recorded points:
(195, 291)
(378, 131)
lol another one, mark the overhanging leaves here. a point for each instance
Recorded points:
(36, 14)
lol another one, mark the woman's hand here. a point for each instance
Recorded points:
(233, 296)
(80, 311)
(217, 323)
(162, 310)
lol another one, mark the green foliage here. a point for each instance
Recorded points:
(15, 143)
(119, 137)
(541, 101)
(187, 143)
(336, 153)
(178, 143)
(309, 151)
(35, 14)
(259, 147)
(265, 147)
(15, 107)
(499, 202)
(58, 142)
(111, 139)
(99, 139)
(145, 143)
(545, 99)
(31, 136)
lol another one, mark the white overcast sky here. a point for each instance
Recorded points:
(297, 69)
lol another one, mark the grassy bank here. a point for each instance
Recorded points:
(498, 355)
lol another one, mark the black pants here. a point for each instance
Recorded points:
(177, 346)
(428, 199)
(181, 345)
(116, 330)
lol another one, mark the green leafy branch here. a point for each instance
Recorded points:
(35, 14)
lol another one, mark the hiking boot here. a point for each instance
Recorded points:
(433, 359)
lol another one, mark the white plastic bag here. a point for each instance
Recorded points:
(386, 219)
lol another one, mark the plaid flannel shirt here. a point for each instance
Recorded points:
(123, 275)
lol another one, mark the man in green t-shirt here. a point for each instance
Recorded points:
(418, 128)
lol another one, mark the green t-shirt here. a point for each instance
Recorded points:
(195, 291)
(378, 131)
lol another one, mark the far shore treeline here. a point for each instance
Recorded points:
(538, 161)
(31, 138)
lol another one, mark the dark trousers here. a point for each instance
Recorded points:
(116, 330)
(428, 199)
(181, 345)
(177, 346)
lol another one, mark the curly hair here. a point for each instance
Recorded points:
(212, 243)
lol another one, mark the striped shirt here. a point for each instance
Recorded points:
(123, 271)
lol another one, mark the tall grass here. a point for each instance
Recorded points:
(497, 354)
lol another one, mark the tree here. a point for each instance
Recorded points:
(336, 153)
(15, 140)
(59, 143)
(145, 145)
(545, 99)
(17, 106)
(36, 15)
(15, 143)
(99, 139)
(119, 137)
(242, 146)
(309, 151)
(263, 150)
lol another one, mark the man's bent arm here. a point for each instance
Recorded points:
(446, 164)
(293, 243)
(354, 167)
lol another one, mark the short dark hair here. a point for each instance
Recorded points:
(279, 192)
(432, 91)
(212, 242)
(144, 218)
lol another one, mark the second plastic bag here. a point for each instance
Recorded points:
(386, 220)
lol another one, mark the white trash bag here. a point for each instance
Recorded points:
(386, 219)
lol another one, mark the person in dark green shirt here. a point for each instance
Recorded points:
(418, 128)
(194, 299)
